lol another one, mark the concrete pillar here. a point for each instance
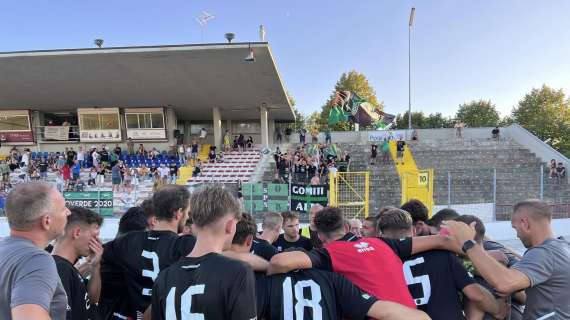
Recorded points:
(271, 129)
(36, 130)
(171, 125)
(228, 126)
(264, 127)
(218, 135)
(187, 134)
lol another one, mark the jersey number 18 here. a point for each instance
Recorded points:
(302, 302)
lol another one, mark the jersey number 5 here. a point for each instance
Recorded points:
(185, 303)
(423, 280)
(299, 311)
(150, 273)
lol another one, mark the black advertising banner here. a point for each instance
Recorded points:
(303, 197)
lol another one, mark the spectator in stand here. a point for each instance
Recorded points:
(30, 287)
(101, 175)
(95, 158)
(80, 156)
(302, 134)
(328, 137)
(43, 168)
(182, 154)
(561, 170)
(71, 156)
(315, 180)
(130, 146)
(143, 172)
(164, 172)
(203, 134)
(76, 170)
(66, 174)
(197, 169)
(415, 135)
(92, 177)
(314, 135)
(241, 142)
(141, 151)
(400, 147)
(495, 133)
(104, 157)
(373, 154)
(117, 150)
(26, 157)
(5, 171)
(553, 173)
(249, 142)
(194, 150)
(59, 182)
(288, 132)
(173, 171)
(127, 180)
(385, 151)
(227, 141)
(355, 227)
(459, 125)
(212, 156)
(116, 177)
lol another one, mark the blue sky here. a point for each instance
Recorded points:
(461, 50)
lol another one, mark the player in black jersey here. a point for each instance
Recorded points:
(313, 294)
(112, 301)
(271, 225)
(142, 255)
(205, 284)
(291, 237)
(436, 277)
(81, 239)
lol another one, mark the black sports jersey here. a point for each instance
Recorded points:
(78, 303)
(281, 244)
(263, 249)
(434, 279)
(141, 256)
(207, 287)
(310, 295)
(112, 302)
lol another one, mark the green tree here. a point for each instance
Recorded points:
(546, 113)
(421, 121)
(299, 117)
(480, 113)
(351, 81)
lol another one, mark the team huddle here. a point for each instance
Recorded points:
(197, 256)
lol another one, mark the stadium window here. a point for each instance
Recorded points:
(14, 123)
(246, 127)
(196, 127)
(104, 121)
(145, 120)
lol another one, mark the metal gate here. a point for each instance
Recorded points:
(349, 192)
(418, 185)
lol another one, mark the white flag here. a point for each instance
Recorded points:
(204, 18)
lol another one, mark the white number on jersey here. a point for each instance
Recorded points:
(150, 273)
(185, 304)
(423, 280)
(302, 303)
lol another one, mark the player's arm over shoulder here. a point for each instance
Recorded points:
(289, 261)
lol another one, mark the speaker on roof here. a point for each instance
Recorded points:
(176, 133)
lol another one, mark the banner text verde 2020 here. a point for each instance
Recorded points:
(98, 201)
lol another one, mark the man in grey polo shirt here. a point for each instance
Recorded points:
(544, 271)
(30, 287)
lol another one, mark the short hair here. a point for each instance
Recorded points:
(538, 208)
(395, 220)
(272, 220)
(147, 208)
(416, 209)
(442, 215)
(133, 219)
(168, 199)
(27, 202)
(244, 228)
(290, 215)
(211, 203)
(329, 220)
(479, 225)
(384, 209)
(83, 216)
(371, 219)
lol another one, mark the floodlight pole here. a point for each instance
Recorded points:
(410, 24)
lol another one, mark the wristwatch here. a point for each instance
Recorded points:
(467, 245)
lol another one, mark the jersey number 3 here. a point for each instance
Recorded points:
(302, 303)
(423, 280)
(150, 273)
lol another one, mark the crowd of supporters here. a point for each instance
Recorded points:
(181, 254)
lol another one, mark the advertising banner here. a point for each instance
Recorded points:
(98, 201)
(56, 133)
(303, 197)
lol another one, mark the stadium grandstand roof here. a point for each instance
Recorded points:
(191, 78)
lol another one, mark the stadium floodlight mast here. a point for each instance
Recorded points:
(410, 25)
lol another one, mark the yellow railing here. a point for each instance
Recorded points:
(350, 192)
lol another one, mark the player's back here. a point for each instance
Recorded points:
(207, 287)
(310, 295)
(141, 256)
(435, 279)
